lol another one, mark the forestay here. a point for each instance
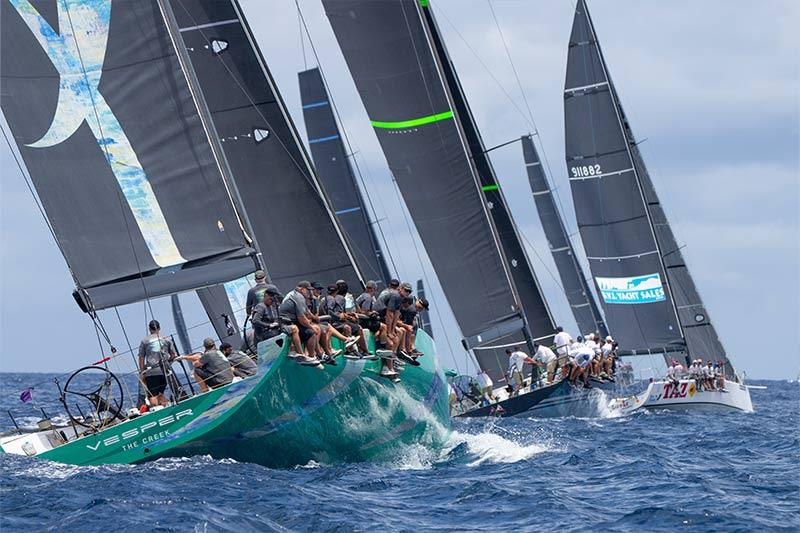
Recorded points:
(104, 119)
(642, 279)
(574, 284)
(336, 174)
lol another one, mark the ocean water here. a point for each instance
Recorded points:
(648, 472)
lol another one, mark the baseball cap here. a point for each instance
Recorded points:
(394, 282)
(304, 284)
(317, 285)
(609, 338)
(208, 342)
(260, 274)
(371, 285)
(424, 303)
(406, 286)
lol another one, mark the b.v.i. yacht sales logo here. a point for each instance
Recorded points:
(634, 290)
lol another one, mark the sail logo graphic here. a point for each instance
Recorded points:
(78, 53)
(635, 290)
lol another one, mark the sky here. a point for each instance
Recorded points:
(713, 87)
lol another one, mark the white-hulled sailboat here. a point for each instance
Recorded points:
(648, 295)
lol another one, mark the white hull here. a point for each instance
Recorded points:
(684, 395)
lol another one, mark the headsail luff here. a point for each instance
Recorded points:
(118, 163)
(291, 221)
(624, 229)
(577, 290)
(388, 50)
(336, 173)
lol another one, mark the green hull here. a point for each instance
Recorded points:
(286, 415)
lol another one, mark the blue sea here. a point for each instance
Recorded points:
(649, 472)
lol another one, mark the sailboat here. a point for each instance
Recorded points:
(418, 110)
(154, 176)
(648, 295)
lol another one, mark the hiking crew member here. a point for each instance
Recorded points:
(256, 293)
(347, 305)
(156, 354)
(266, 318)
(294, 310)
(241, 364)
(211, 369)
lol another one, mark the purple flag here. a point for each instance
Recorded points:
(26, 395)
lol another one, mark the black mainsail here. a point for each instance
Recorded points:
(105, 120)
(288, 213)
(649, 297)
(574, 284)
(410, 91)
(334, 169)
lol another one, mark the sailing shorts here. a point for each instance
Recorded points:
(551, 366)
(305, 332)
(155, 384)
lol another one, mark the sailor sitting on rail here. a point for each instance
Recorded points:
(294, 310)
(211, 369)
(709, 376)
(348, 306)
(582, 356)
(241, 364)
(267, 322)
(720, 375)
(391, 337)
(318, 314)
(674, 372)
(608, 351)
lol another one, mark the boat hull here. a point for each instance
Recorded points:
(685, 396)
(286, 415)
(551, 401)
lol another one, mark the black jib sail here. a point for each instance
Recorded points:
(575, 287)
(336, 174)
(291, 222)
(104, 119)
(410, 92)
(424, 315)
(649, 298)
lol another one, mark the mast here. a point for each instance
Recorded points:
(579, 295)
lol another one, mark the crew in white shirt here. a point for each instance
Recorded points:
(485, 383)
(516, 364)
(544, 357)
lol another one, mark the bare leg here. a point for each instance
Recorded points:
(298, 346)
(203, 386)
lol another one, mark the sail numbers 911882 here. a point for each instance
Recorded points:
(585, 171)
